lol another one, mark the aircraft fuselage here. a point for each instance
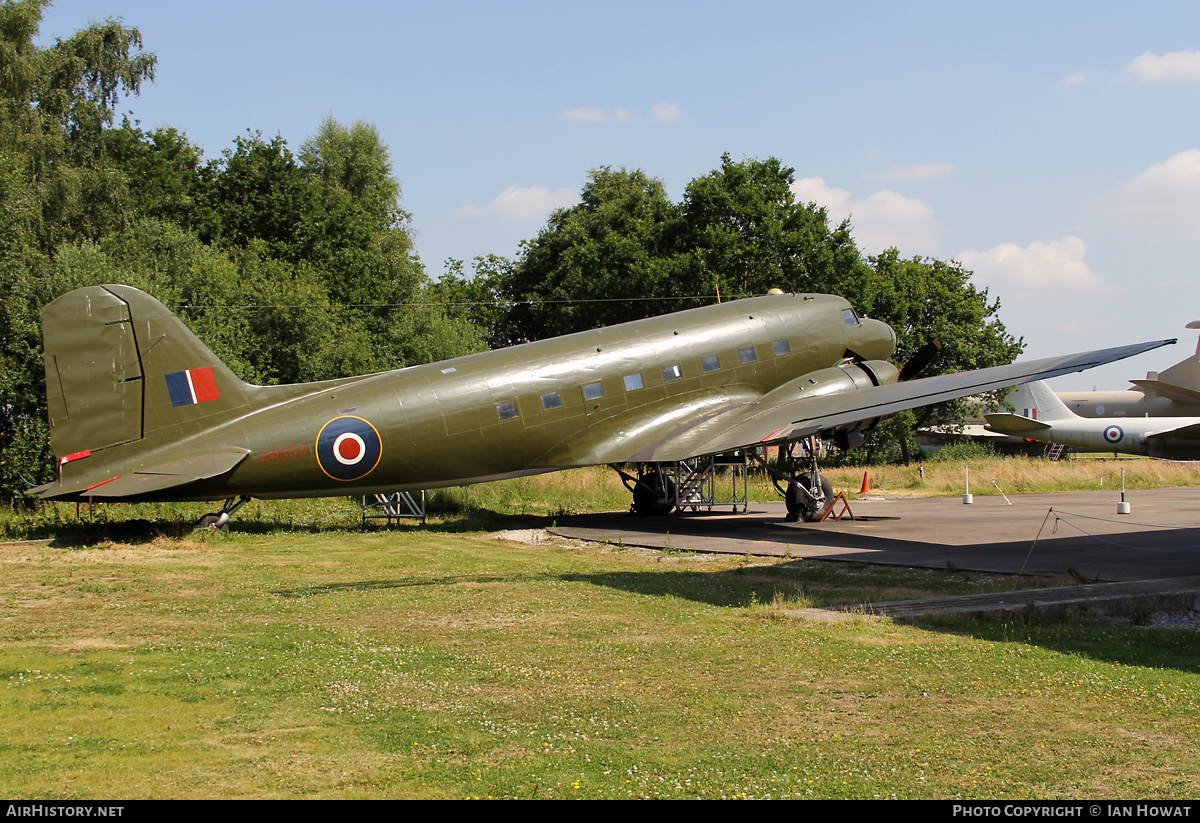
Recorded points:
(552, 404)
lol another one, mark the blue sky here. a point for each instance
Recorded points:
(1053, 148)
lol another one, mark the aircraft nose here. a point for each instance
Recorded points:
(880, 339)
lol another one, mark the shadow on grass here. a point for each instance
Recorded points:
(1108, 640)
(80, 534)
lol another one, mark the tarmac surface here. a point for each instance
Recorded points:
(1075, 534)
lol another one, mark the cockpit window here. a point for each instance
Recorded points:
(850, 317)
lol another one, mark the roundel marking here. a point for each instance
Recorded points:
(1099, 411)
(348, 448)
(1113, 434)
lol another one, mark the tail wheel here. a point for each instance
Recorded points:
(653, 494)
(808, 497)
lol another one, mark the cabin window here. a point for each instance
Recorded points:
(593, 391)
(782, 348)
(633, 381)
(553, 400)
(672, 373)
(710, 363)
(850, 317)
(747, 355)
(507, 410)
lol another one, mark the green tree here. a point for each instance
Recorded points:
(354, 161)
(256, 191)
(56, 186)
(927, 300)
(56, 106)
(478, 299)
(924, 300)
(161, 170)
(744, 234)
(606, 260)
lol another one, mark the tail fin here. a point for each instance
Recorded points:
(1186, 373)
(119, 365)
(1046, 403)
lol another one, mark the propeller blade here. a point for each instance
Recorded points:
(917, 363)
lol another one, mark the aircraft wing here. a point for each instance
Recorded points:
(1180, 435)
(782, 415)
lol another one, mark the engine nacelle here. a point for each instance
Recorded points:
(849, 376)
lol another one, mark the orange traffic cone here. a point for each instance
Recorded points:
(866, 486)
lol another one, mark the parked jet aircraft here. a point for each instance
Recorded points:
(140, 409)
(1171, 393)
(1172, 437)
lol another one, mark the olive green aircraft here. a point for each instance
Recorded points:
(141, 410)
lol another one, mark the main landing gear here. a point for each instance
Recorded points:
(653, 492)
(807, 494)
(220, 520)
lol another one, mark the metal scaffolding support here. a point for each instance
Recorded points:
(705, 482)
(396, 505)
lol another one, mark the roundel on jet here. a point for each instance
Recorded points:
(1113, 434)
(348, 448)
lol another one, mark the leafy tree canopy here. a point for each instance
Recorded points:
(600, 262)
(626, 252)
(289, 268)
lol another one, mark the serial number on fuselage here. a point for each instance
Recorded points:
(290, 453)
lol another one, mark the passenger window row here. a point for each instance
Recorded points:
(594, 391)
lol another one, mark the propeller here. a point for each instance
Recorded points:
(917, 363)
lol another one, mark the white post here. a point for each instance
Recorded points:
(968, 498)
(1122, 507)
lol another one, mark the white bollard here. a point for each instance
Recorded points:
(968, 498)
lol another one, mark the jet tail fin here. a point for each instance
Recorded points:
(119, 367)
(1182, 378)
(1046, 403)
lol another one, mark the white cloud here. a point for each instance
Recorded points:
(665, 112)
(883, 220)
(1076, 78)
(583, 115)
(921, 171)
(523, 203)
(816, 190)
(1165, 197)
(659, 113)
(1055, 270)
(1174, 65)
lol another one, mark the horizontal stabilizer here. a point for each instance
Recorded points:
(1168, 390)
(1015, 424)
(155, 478)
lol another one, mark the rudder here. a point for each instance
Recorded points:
(119, 365)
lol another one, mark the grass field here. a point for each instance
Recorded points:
(304, 656)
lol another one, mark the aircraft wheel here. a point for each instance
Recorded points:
(209, 521)
(800, 503)
(653, 495)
